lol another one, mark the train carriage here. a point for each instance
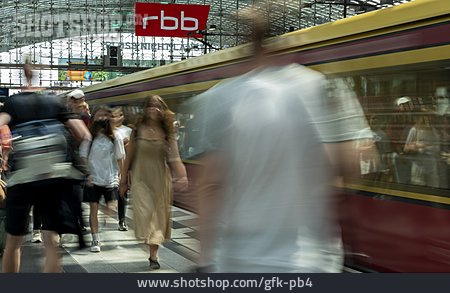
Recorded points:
(395, 57)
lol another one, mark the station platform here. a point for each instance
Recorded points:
(120, 251)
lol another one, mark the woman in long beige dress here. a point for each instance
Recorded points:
(156, 168)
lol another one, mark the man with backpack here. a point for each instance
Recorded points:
(41, 170)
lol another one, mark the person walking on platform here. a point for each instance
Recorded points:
(105, 163)
(75, 101)
(5, 137)
(270, 143)
(156, 168)
(42, 178)
(77, 104)
(124, 133)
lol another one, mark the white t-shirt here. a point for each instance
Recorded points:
(271, 123)
(124, 132)
(102, 160)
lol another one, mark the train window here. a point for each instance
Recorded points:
(408, 115)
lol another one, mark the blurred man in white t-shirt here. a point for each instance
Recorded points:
(271, 143)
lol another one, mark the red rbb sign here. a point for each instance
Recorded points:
(170, 20)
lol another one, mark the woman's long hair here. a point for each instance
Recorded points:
(167, 119)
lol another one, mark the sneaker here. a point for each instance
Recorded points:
(154, 264)
(123, 226)
(36, 237)
(95, 246)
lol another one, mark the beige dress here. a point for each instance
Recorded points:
(151, 189)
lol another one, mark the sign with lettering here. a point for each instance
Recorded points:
(170, 20)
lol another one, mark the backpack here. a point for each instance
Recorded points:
(41, 151)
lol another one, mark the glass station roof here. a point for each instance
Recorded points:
(23, 21)
(68, 40)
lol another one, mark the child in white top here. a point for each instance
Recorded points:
(104, 162)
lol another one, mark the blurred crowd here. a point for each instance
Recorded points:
(272, 144)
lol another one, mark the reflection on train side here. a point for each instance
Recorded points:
(408, 115)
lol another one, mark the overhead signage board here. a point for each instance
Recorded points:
(170, 20)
